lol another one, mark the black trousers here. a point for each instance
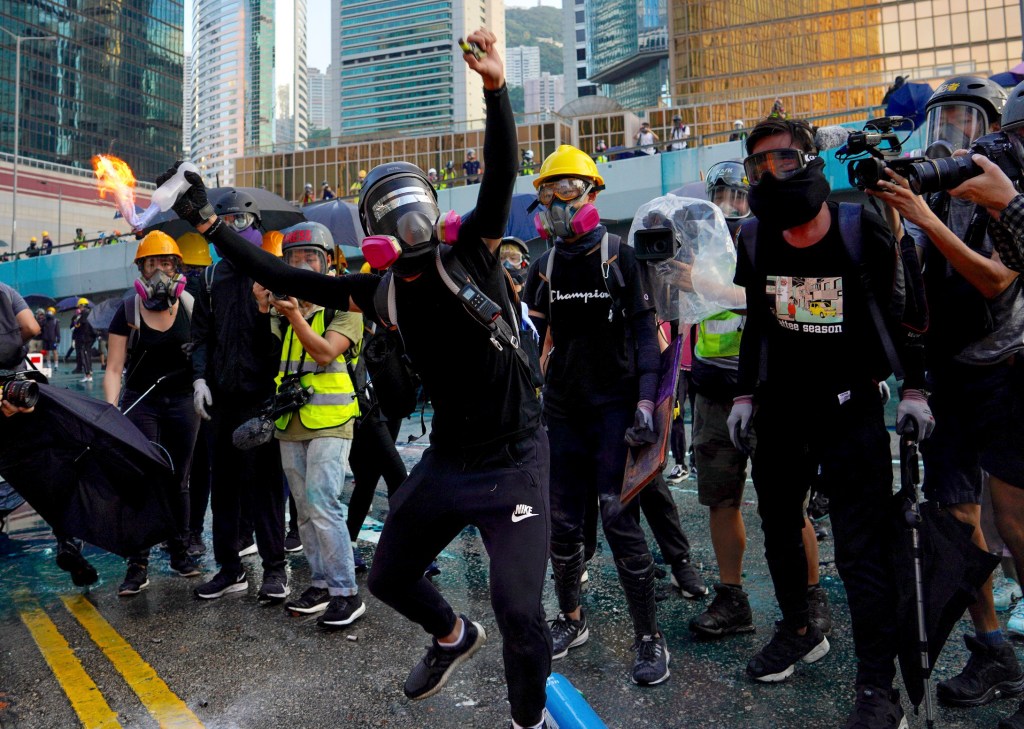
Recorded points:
(373, 455)
(252, 477)
(199, 479)
(503, 492)
(851, 444)
(685, 394)
(171, 421)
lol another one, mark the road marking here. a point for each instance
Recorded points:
(162, 703)
(81, 690)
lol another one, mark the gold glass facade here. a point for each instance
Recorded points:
(732, 58)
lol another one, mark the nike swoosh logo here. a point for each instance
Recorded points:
(520, 517)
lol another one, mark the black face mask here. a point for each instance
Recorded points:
(785, 204)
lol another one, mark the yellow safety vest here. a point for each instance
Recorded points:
(719, 335)
(334, 399)
(601, 158)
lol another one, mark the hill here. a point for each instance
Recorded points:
(523, 27)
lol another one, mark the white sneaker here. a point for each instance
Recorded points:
(1015, 624)
(1005, 593)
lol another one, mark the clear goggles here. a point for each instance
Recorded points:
(958, 124)
(780, 163)
(731, 201)
(566, 189)
(240, 221)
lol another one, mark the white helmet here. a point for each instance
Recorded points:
(309, 185)
(738, 124)
(431, 171)
(528, 154)
(470, 152)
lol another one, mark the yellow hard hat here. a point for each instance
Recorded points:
(51, 310)
(32, 240)
(157, 243)
(82, 302)
(365, 268)
(195, 251)
(362, 174)
(568, 161)
(272, 241)
(45, 234)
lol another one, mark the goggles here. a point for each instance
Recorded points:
(781, 163)
(566, 189)
(240, 221)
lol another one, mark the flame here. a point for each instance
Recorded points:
(115, 177)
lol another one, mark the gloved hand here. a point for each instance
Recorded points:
(202, 398)
(883, 390)
(192, 205)
(642, 430)
(913, 411)
(740, 420)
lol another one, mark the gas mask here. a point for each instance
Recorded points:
(557, 217)
(160, 291)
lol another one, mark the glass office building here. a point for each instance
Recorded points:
(627, 50)
(111, 82)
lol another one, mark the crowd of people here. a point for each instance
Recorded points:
(257, 376)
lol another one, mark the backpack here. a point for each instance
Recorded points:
(133, 315)
(907, 304)
(12, 346)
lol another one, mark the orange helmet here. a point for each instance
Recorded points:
(272, 240)
(157, 243)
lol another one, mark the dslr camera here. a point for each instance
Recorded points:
(932, 175)
(880, 141)
(291, 396)
(18, 389)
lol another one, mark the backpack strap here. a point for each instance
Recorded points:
(384, 301)
(850, 233)
(208, 276)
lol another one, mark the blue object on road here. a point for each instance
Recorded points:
(567, 708)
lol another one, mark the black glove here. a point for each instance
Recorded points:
(192, 205)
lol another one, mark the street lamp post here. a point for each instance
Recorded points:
(17, 124)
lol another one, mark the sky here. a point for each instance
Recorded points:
(318, 45)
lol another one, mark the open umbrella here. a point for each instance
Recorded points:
(103, 313)
(275, 212)
(342, 219)
(1008, 79)
(938, 573)
(909, 100)
(68, 304)
(38, 301)
(89, 472)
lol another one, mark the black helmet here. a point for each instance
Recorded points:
(240, 204)
(963, 109)
(987, 94)
(398, 200)
(1013, 112)
(518, 243)
(727, 187)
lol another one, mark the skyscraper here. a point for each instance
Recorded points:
(395, 66)
(319, 98)
(574, 49)
(111, 82)
(522, 63)
(545, 93)
(291, 87)
(627, 50)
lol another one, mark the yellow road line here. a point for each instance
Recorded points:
(170, 711)
(81, 690)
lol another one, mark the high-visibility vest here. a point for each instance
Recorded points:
(334, 399)
(719, 335)
(601, 158)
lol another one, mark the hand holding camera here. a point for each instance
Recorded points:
(992, 189)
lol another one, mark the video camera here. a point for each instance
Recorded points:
(879, 139)
(654, 244)
(18, 389)
(291, 395)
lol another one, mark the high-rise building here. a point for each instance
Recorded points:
(522, 63)
(260, 94)
(186, 108)
(627, 50)
(574, 50)
(291, 88)
(546, 93)
(111, 81)
(319, 98)
(397, 66)
(732, 60)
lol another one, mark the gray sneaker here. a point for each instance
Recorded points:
(567, 633)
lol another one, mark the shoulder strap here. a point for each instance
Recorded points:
(384, 301)
(187, 302)
(850, 233)
(611, 272)
(547, 277)
(132, 315)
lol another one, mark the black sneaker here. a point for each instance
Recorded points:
(196, 545)
(430, 674)
(135, 580)
(274, 588)
(70, 559)
(185, 566)
(876, 708)
(342, 611)
(651, 664)
(567, 633)
(432, 570)
(292, 543)
(727, 614)
(358, 562)
(686, 577)
(313, 600)
(818, 610)
(1014, 720)
(776, 660)
(678, 474)
(992, 672)
(222, 584)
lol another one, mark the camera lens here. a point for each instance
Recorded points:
(941, 174)
(21, 393)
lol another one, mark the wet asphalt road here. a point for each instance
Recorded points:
(234, 663)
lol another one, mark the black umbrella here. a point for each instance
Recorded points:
(342, 219)
(939, 571)
(89, 472)
(275, 212)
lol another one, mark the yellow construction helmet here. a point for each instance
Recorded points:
(365, 268)
(51, 310)
(195, 251)
(157, 243)
(272, 241)
(32, 240)
(82, 302)
(45, 234)
(568, 161)
(362, 174)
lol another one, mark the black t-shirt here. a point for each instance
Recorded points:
(591, 360)
(156, 354)
(809, 307)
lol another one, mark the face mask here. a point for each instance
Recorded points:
(160, 291)
(253, 236)
(785, 204)
(562, 220)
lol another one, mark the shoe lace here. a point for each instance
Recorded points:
(648, 649)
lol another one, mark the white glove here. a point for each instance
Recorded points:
(883, 390)
(202, 398)
(914, 417)
(739, 423)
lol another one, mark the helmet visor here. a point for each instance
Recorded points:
(959, 124)
(731, 201)
(567, 189)
(780, 163)
(312, 258)
(240, 221)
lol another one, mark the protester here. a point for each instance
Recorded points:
(471, 168)
(84, 336)
(149, 338)
(33, 248)
(51, 339)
